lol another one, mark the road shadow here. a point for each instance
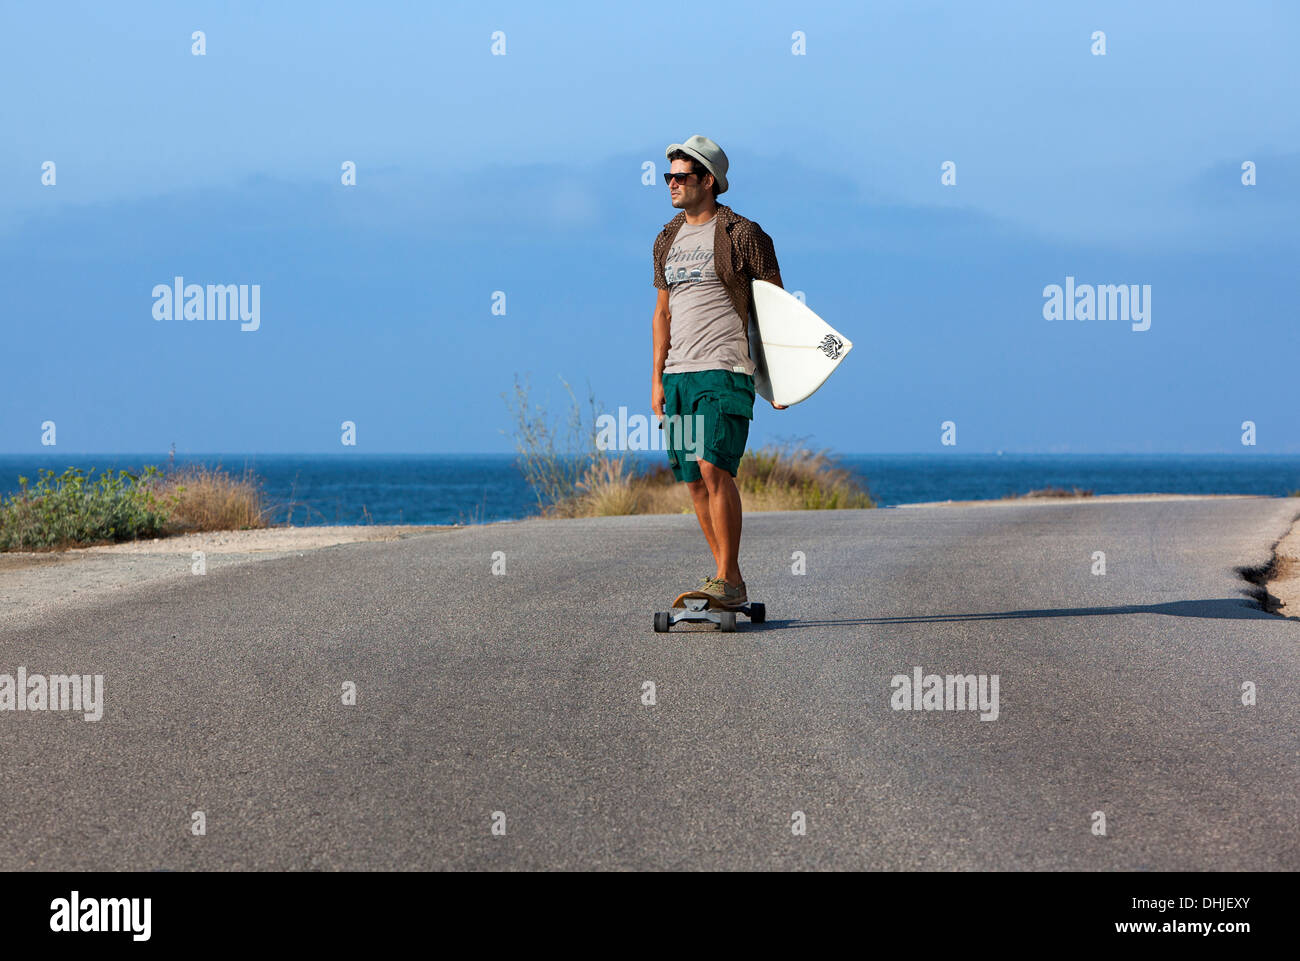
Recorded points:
(1227, 608)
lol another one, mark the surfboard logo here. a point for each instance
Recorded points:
(831, 346)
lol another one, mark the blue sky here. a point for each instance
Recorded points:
(523, 173)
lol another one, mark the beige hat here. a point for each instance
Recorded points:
(706, 152)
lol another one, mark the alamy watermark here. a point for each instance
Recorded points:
(76, 914)
(58, 692)
(1103, 302)
(180, 300)
(946, 692)
(640, 432)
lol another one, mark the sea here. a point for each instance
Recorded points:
(312, 489)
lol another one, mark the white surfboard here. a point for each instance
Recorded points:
(793, 349)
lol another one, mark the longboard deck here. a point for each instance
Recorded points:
(712, 602)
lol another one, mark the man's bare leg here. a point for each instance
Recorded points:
(700, 497)
(723, 502)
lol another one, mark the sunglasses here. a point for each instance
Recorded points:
(679, 177)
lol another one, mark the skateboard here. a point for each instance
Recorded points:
(697, 606)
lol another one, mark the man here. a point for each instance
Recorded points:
(705, 258)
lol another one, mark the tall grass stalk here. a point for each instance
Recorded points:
(555, 458)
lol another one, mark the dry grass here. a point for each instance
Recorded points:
(606, 488)
(211, 499)
(1050, 492)
(573, 476)
(790, 478)
(774, 478)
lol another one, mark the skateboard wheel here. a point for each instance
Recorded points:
(661, 622)
(727, 621)
(757, 613)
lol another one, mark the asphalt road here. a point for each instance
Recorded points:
(522, 693)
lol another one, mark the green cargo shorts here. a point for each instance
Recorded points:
(706, 416)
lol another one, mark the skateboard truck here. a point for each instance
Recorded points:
(697, 609)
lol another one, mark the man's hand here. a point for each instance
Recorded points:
(779, 406)
(657, 397)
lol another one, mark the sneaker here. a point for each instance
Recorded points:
(726, 594)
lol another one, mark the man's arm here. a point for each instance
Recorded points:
(660, 325)
(759, 254)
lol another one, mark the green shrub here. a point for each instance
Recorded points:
(73, 508)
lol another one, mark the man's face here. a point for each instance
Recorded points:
(693, 191)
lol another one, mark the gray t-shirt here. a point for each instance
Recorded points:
(706, 332)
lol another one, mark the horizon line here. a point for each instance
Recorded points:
(834, 453)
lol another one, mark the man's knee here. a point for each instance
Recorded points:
(697, 487)
(714, 477)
